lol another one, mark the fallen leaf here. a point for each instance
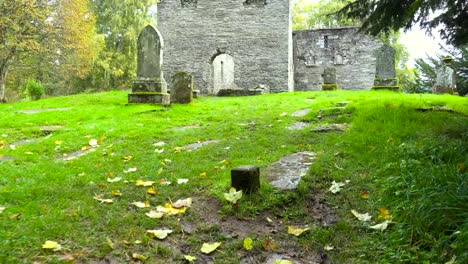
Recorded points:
(336, 186)
(116, 179)
(167, 160)
(12, 147)
(160, 234)
(159, 151)
(269, 220)
(116, 193)
(382, 226)
(182, 181)
(93, 143)
(108, 201)
(130, 170)
(154, 214)
(364, 195)
(159, 144)
(110, 243)
(67, 258)
(297, 231)
(58, 142)
(99, 142)
(384, 214)
(144, 204)
(208, 248)
(1, 209)
(15, 216)
(190, 258)
(248, 243)
(361, 217)
(269, 244)
(203, 174)
(139, 257)
(144, 183)
(54, 246)
(160, 170)
(233, 196)
(182, 203)
(137, 242)
(29, 153)
(152, 191)
(167, 209)
(284, 114)
(164, 182)
(328, 247)
(127, 158)
(282, 261)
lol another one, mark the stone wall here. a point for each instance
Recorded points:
(255, 33)
(353, 56)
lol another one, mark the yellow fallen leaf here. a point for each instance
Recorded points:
(139, 257)
(58, 142)
(248, 243)
(190, 258)
(182, 181)
(127, 158)
(28, 153)
(155, 214)
(116, 179)
(269, 220)
(382, 226)
(384, 214)
(361, 217)
(164, 182)
(282, 261)
(208, 248)
(110, 243)
(160, 234)
(52, 245)
(116, 193)
(297, 231)
(328, 247)
(93, 143)
(144, 183)
(84, 148)
(364, 195)
(130, 170)
(1, 209)
(182, 203)
(152, 191)
(159, 144)
(233, 196)
(141, 204)
(101, 200)
(167, 209)
(203, 174)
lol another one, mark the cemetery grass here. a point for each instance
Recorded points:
(412, 163)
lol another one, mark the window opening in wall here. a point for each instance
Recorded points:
(188, 3)
(325, 41)
(255, 2)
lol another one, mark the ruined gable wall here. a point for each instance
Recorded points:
(353, 56)
(256, 36)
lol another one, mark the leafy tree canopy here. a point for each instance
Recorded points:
(449, 16)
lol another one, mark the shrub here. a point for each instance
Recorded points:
(34, 90)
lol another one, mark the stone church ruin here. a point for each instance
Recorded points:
(241, 45)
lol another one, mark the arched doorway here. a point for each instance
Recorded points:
(223, 72)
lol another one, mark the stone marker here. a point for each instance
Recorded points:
(246, 178)
(329, 79)
(182, 88)
(445, 80)
(150, 86)
(385, 76)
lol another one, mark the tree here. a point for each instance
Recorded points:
(23, 26)
(310, 15)
(119, 23)
(383, 16)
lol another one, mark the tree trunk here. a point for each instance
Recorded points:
(3, 76)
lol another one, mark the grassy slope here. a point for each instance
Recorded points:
(402, 157)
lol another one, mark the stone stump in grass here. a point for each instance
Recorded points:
(182, 88)
(246, 178)
(149, 86)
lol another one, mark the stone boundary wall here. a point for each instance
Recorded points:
(352, 54)
(257, 36)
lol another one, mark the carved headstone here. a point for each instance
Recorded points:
(385, 76)
(445, 80)
(181, 88)
(329, 79)
(149, 86)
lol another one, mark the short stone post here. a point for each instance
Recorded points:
(246, 178)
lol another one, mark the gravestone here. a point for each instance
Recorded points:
(223, 73)
(246, 178)
(329, 79)
(385, 76)
(149, 86)
(181, 88)
(445, 79)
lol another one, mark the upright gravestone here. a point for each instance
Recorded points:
(445, 79)
(329, 79)
(385, 76)
(181, 88)
(149, 86)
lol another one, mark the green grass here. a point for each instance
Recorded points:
(411, 162)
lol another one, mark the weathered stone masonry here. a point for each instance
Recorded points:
(255, 35)
(353, 56)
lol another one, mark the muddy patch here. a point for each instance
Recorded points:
(298, 126)
(320, 211)
(301, 113)
(286, 173)
(199, 144)
(35, 111)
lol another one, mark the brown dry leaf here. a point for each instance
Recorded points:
(270, 244)
(364, 195)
